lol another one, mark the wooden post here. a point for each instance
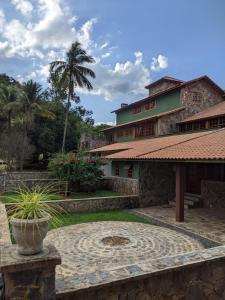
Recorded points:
(180, 185)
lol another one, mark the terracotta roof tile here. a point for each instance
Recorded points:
(213, 111)
(207, 145)
(142, 147)
(210, 146)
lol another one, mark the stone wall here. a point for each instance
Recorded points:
(124, 186)
(161, 86)
(198, 96)
(157, 183)
(167, 124)
(193, 276)
(92, 141)
(194, 98)
(213, 193)
(95, 204)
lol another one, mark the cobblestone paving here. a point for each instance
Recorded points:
(87, 261)
(207, 222)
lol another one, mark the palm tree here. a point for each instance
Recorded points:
(70, 74)
(9, 101)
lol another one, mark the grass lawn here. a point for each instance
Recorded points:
(77, 218)
(13, 197)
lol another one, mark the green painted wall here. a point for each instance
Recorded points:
(163, 104)
(122, 165)
(124, 138)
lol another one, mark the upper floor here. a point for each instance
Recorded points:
(170, 101)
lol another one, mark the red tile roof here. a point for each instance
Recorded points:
(207, 145)
(145, 119)
(213, 111)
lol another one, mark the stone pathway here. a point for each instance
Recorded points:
(207, 222)
(87, 260)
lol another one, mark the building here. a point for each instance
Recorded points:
(173, 141)
(169, 102)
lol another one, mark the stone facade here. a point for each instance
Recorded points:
(194, 98)
(161, 86)
(157, 183)
(91, 141)
(95, 204)
(167, 124)
(193, 276)
(197, 97)
(122, 185)
(213, 194)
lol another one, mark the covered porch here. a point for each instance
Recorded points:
(183, 185)
(206, 222)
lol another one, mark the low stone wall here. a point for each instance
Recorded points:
(213, 193)
(27, 175)
(192, 276)
(94, 204)
(157, 183)
(124, 186)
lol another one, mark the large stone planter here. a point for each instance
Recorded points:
(29, 234)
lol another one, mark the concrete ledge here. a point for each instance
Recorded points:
(194, 275)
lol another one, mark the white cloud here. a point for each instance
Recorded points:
(123, 80)
(104, 45)
(159, 63)
(105, 55)
(107, 123)
(53, 28)
(24, 6)
(46, 37)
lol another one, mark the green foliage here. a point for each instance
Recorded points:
(3, 168)
(77, 218)
(31, 204)
(77, 169)
(65, 76)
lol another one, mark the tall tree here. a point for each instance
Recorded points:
(70, 74)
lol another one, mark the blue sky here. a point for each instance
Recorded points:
(133, 42)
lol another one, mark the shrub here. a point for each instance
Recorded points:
(3, 168)
(80, 171)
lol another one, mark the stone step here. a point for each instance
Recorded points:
(192, 196)
(173, 203)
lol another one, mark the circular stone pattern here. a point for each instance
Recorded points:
(83, 250)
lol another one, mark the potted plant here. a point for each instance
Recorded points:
(29, 218)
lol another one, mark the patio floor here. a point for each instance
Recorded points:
(208, 223)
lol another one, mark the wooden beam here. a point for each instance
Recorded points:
(180, 187)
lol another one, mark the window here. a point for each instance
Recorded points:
(129, 171)
(146, 129)
(117, 170)
(199, 125)
(137, 110)
(213, 123)
(150, 105)
(125, 132)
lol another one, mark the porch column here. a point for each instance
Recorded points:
(180, 185)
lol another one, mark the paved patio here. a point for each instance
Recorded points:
(208, 223)
(87, 260)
